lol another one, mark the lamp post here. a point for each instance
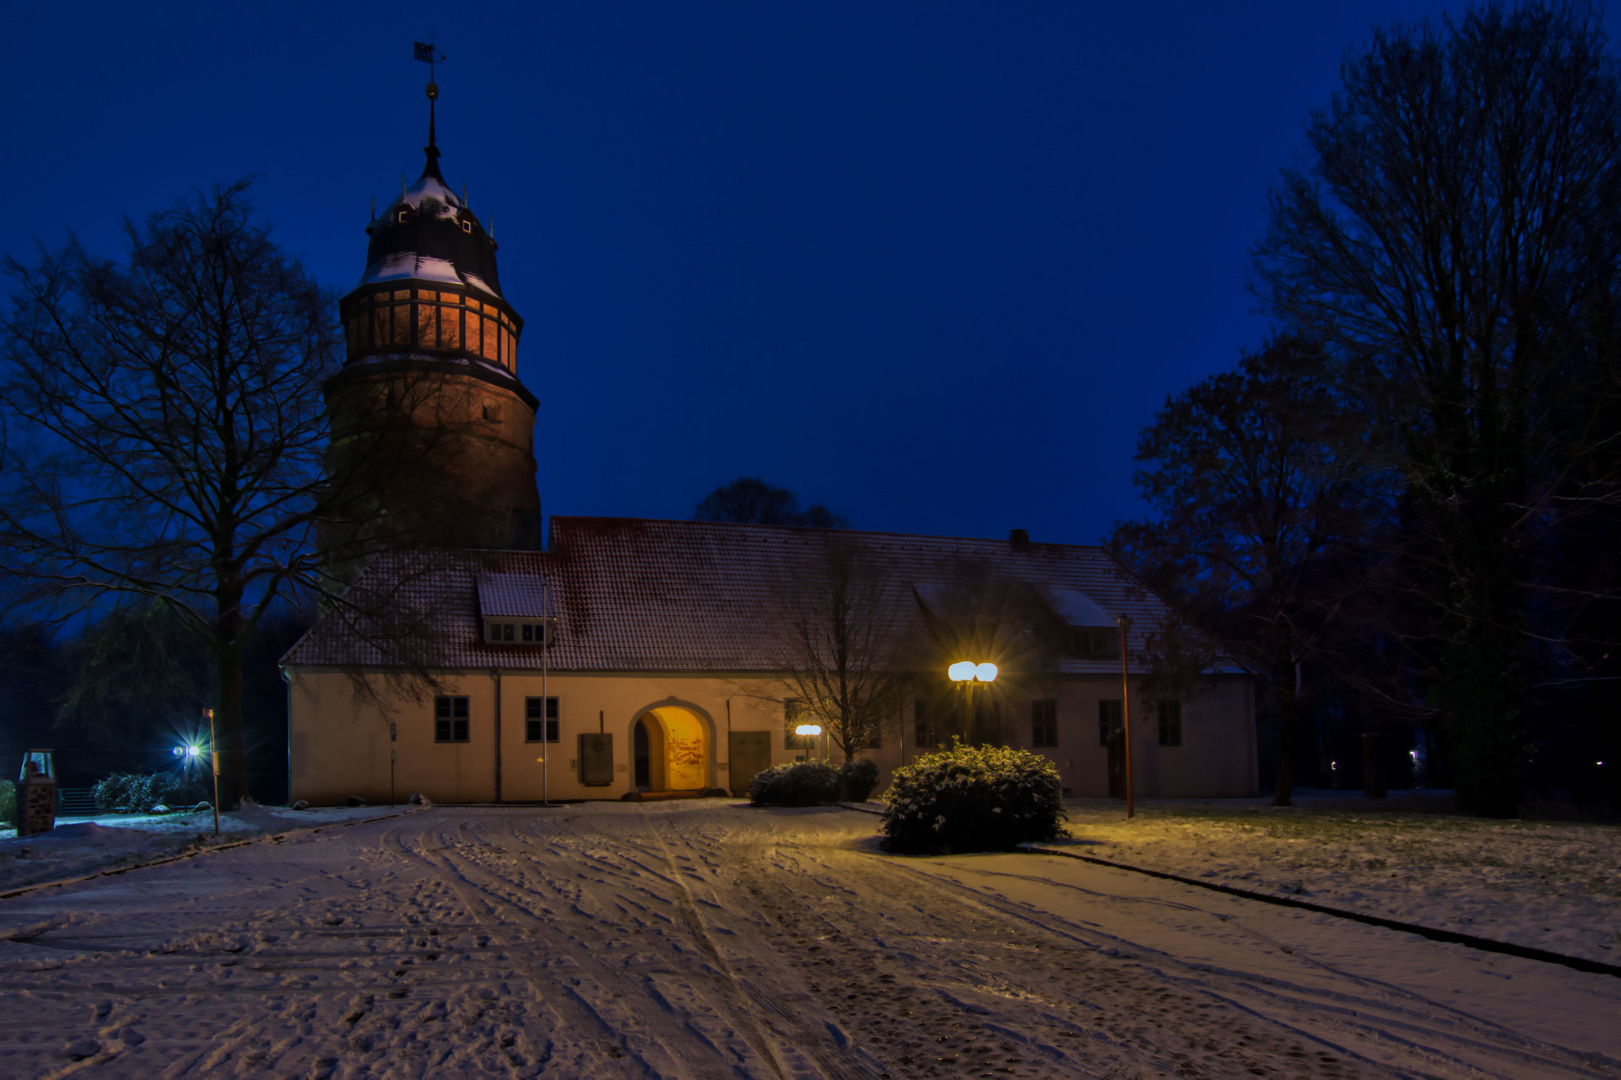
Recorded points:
(968, 673)
(1123, 623)
(809, 731)
(214, 758)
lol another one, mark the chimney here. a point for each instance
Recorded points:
(1018, 539)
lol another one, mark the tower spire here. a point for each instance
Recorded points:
(429, 55)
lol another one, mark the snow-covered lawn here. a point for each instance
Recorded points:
(709, 939)
(1550, 886)
(84, 845)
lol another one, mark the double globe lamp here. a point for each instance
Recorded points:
(968, 673)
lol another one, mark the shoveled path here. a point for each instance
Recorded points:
(699, 939)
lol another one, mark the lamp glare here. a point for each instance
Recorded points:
(985, 672)
(961, 671)
(808, 729)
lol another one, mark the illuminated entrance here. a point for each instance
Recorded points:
(671, 747)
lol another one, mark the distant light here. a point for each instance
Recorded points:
(808, 729)
(1413, 754)
(177, 751)
(986, 672)
(1598, 763)
(961, 671)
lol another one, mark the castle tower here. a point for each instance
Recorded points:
(429, 419)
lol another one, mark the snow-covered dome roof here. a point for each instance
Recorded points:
(427, 234)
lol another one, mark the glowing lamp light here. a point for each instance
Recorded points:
(193, 751)
(808, 729)
(985, 672)
(962, 671)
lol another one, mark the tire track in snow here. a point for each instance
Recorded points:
(1428, 1028)
(671, 1049)
(286, 960)
(740, 1000)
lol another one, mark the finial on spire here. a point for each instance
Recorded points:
(429, 55)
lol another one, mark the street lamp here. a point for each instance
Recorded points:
(214, 759)
(808, 731)
(968, 673)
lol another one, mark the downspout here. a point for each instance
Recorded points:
(495, 678)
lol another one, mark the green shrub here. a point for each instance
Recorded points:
(972, 798)
(8, 802)
(858, 778)
(804, 783)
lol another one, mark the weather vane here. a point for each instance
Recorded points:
(428, 54)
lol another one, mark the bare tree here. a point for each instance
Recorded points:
(1454, 243)
(166, 434)
(750, 500)
(1263, 498)
(842, 659)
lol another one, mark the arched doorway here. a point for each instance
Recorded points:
(672, 749)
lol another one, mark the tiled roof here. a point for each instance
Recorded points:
(689, 596)
(518, 596)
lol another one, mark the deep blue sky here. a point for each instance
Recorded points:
(932, 264)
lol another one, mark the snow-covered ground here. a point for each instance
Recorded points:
(84, 845)
(1550, 886)
(709, 939)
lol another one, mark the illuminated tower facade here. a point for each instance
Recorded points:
(430, 422)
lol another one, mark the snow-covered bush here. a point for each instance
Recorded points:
(858, 778)
(804, 783)
(8, 802)
(972, 798)
(112, 792)
(138, 794)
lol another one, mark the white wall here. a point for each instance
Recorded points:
(340, 744)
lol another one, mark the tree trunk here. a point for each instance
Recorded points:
(1288, 721)
(232, 748)
(1481, 687)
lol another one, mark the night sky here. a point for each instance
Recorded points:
(930, 264)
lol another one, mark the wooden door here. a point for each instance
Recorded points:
(749, 753)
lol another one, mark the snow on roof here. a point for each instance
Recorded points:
(1077, 608)
(429, 189)
(632, 594)
(410, 265)
(519, 596)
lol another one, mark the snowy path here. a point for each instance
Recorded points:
(700, 939)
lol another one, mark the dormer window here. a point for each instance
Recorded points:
(467, 226)
(1094, 643)
(405, 215)
(514, 609)
(518, 632)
